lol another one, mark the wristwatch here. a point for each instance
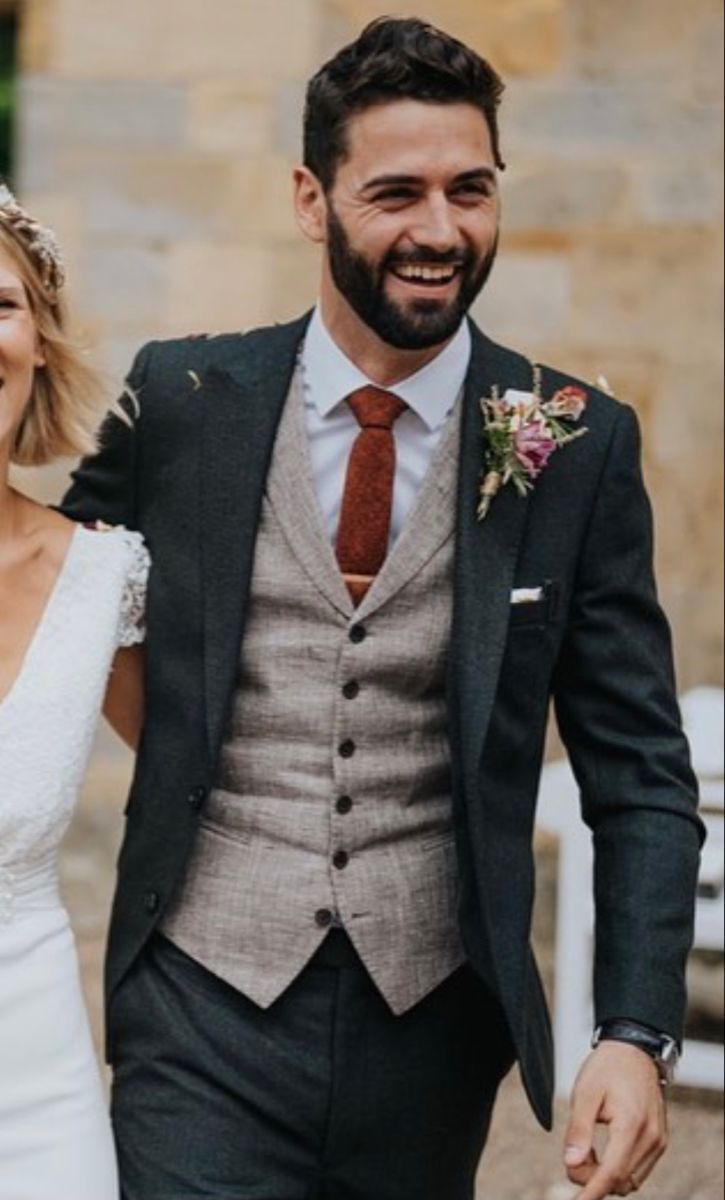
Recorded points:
(662, 1049)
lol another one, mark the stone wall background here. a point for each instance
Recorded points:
(159, 140)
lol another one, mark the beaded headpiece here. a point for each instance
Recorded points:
(39, 242)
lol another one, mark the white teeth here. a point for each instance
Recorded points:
(427, 274)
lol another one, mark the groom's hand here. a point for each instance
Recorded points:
(619, 1087)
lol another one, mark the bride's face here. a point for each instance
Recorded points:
(20, 353)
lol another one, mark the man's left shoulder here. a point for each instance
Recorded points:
(608, 438)
(603, 409)
(517, 370)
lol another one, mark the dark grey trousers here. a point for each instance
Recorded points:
(324, 1095)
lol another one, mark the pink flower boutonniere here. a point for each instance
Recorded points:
(522, 432)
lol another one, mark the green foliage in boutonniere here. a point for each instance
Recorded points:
(522, 431)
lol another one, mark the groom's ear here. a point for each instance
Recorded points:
(310, 205)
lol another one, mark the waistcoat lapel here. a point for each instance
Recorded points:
(291, 492)
(241, 415)
(486, 557)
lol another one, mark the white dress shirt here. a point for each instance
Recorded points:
(329, 377)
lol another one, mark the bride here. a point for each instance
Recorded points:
(70, 599)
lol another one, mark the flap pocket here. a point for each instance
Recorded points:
(537, 614)
(534, 615)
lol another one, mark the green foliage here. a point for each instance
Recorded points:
(8, 42)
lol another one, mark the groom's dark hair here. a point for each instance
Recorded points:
(393, 59)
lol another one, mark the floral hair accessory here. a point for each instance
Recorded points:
(39, 243)
(522, 432)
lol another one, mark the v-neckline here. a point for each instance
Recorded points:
(37, 633)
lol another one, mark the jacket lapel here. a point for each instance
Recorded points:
(243, 407)
(486, 557)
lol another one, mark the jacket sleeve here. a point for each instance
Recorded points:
(618, 714)
(103, 487)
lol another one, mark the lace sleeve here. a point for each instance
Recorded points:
(132, 624)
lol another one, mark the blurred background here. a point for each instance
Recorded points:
(158, 138)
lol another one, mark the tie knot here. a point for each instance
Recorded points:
(375, 408)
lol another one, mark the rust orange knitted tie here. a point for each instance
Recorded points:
(367, 502)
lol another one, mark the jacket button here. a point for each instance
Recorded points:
(196, 798)
(341, 860)
(344, 805)
(351, 690)
(347, 749)
(151, 902)
(323, 918)
(358, 633)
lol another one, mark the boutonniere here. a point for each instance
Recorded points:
(522, 432)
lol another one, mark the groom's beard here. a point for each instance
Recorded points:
(424, 323)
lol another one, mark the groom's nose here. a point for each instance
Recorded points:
(436, 227)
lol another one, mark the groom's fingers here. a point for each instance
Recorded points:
(579, 1154)
(582, 1174)
(649, 1160)
(614, 1175)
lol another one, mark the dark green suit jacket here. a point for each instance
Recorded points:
(190, 476)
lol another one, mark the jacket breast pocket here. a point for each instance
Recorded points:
(536, 613)
(529, 616)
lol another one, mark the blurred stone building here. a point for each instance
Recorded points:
(158, 137)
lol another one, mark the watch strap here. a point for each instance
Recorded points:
(661, 1048)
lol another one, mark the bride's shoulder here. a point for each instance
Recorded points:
(117, 539)
(120, 548)
(134, 563)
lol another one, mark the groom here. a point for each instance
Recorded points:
(319, 968)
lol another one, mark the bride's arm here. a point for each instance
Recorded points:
(124, 703)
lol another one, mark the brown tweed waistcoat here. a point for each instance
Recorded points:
(333, 797)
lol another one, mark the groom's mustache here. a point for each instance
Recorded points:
(430, 258)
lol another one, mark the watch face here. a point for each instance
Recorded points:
(667, 1062)
(670, 1054)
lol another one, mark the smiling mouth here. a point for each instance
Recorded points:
(426, 276)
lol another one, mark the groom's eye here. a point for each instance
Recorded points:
(474, 191)
(398, 195)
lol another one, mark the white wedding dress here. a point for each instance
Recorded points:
(55, 1136)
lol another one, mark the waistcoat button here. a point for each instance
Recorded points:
(151, 902)
(341, 860)
(324, 918)
(347, 749)
(358, 633)
(196, 797)
(344, 805)
(351, 690)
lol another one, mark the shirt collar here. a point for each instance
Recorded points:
(330, 376)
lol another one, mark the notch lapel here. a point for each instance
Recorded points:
(243, 406)
(486, 556)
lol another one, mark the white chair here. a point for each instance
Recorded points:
(558, 813)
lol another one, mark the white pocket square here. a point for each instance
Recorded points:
(527, 595)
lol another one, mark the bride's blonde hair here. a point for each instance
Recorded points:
(63, 413)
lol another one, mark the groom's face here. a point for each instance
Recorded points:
(412, 219)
